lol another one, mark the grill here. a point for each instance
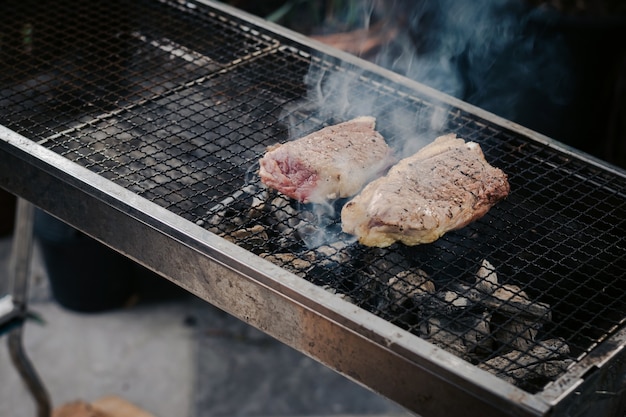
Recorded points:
(142, 124)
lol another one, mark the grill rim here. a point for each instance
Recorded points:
(108, 196)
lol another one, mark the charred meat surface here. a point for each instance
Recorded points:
(334, 162)
(444, 186)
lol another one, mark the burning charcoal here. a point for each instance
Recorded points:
(250, 238)
(254, 231)
(437, 331)
(222, 219)
(515, 328)
(226, 219)
(466, 336)
(308, 223)
(332, 265)
(317, 226)
(486, 277)
(286, 215)
(308, 232)
(507, 301)
(386, 264)
(338, 294)
(287, 242)
(455, 300)
(457, 326)
(408, 286)
(405, 294)
(545, 360)
(332, 249)
(289, 261)
(511, 293)
(516, 318)
(286, 223)
(336, 251)
(293, 222)
(220, 211)
(258, 205)
(449, 302)
(478, 339)
(517, 332)
(505, 298)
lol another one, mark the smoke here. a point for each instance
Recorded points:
(495, 54)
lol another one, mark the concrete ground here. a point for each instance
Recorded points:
(172, 355)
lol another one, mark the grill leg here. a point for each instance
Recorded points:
(21, 255)
(28, 373)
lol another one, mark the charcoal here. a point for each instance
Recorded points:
(333, 253)
(289, 261)
(438, 331)
(507, 299)
(454, 300)
(486, 277)
(251, 238)
(258, 205)
(385, 264)
(467, 337)
(409, 286)
(545, 360)
(285, 215)
(333, 290)
(515, 331)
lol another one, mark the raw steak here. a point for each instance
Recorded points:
(334, 162)
(444, 186)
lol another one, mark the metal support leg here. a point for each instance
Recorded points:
(21, 255)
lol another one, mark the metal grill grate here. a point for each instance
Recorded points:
(177, 102)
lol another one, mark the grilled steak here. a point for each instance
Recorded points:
(334, 162)
(444, 186)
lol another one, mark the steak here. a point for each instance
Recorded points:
(444, 186)
(334, 162)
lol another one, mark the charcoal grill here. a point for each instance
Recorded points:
(141, 124)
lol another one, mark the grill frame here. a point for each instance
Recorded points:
(382, 357)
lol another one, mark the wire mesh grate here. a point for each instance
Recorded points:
(176, 102)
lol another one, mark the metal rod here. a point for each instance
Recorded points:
(28, 373)
(21, 254)
(21, 251)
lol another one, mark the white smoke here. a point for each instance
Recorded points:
(490, 53)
